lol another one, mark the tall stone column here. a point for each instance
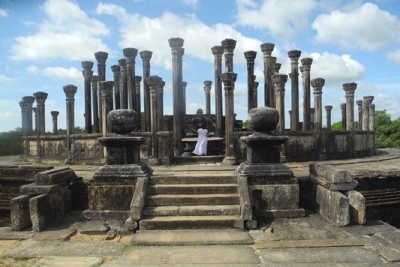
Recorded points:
(160, 101)
(228, 45)
(182, 99)
(54, 115)
(207, 90)
(70, 91)
(23, 116)
(328, 110)
(294, 56)
(95, 98)
(290, 118)
(229, 79)
(28, 100)
(276, 67)
(101, 58)
(367, 100)
(343, 109)
(40, 98)
(116, 69)
(279, 81)
(317, 84)
(36, 116)
(349, 88)
(360, 113)
(123, 87)
(271, 65)
(106, 89)
(312, 115)
(130, 55)
(306, 64)
(87, 74)
(184, 85)
(267, 49)
(138, 79)
(372, 117)
(146, 56)
(217, 52)
(250, 57)
(255, 92)
(176, 51)
(154, 83)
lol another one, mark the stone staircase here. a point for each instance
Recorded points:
(198, 200)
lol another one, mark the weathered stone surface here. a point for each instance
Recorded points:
(121, 174)
(334, 186)
(55, 176)
(34, 189)
(330, 173)
(333, 206)
(274, 197)
(20, 217)
(105, 214)
(266, 173)
(39, 209)
(110, 197)
(357, 207)
(263, 119)
(122, 121)
(94, 227)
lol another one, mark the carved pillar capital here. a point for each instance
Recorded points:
(101, 57)
(130, 53)
(229, 45)
(328, 109)
(116, 69)
(349, 88)
(217, 50)
(40, 97)
(279, 81)
(276, 67)
(154, 82)
(229, 79)
(294, 56)
(28, 101)
(207, 86)
(306, 63)
(70, 90)
(176, 44)
(317, 84)
(138, 79)
(146, 55)
(250, 56)
(267, 48)
(106, 88)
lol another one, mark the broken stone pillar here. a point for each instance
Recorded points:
(101, 58)
(36, 116)
(267, 49)
(255, 92)
(95, 98)
(371, 116)
(229, 46)
(106, 89)
(365, 107)
(146, 56)
(123, 87)
(154, 83)
(343, 109)
(279, 81)
(70, 91)
(250, 57)
(328, 110)
(349, 88)
(184, 85)
(138, 79)
(207, 90)
(40, 98)
(360, 114)
(130, 55)
(317, 84)
(306, 64)
(229, 79)
(87, 74)
(271, 185)
(54, 115)
(294, 56)
(116, 69)
(23, 116)
(217, 52)
(176, 50)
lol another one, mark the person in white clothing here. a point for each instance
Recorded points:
(202, 140)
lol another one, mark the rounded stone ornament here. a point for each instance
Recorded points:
(263, 119)
(122, 121)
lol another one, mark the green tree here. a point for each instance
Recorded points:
(387, 132)
(11, 142)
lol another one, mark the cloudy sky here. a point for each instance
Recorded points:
(42, 45)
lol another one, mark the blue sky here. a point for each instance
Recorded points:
(42, 45)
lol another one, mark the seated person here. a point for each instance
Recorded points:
(199, 124)
(199, 121)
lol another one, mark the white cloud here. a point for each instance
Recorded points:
(5, 80)
(67, 33)
(366, 28)
(394, 56)
(281, 18)
(3, 13)
(69, 75)
(32, 69)
(191, 3)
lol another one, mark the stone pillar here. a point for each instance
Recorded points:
(40, 98)
(28, 101)
(207, 90)
(312, 117)
(70, 91)
(23, 116)
(276, 67)
(116, 69)
(317, 84)
(182, 100)
(106, 89)
(138, 79)
(328, 110)
(306, 64)
(130, 55)
(279, 81)
(184, 85)
(229, 79)
(349, 88)
(367, 100)
(343, 108)
(267, 49)
(372, 117)
(95, 98)
(87, 74)
(123, 87)
(160, 102)
(217, 52)
(154, 83)
(360, 114)
(101, 58)
(176, 51)
(228, 45)
(290, 118)
(294, 56)
(146, 56)
(272, 62)
(54, 115)
(250, 57)
(255, 91)
(36, 116)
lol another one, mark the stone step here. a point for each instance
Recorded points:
(192, 189)
(203, 199)
(207, 210)
(191, 222)
(194, 178)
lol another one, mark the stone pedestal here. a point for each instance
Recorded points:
(273, 189)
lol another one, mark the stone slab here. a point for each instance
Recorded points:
(274, 197)
(331, 173)
(337, 186)
(105, 214)
(94, 227)
(110, 197)
(357, 208)
(33, 189)
(333, 206)
(311, 243)
(192, 237)
(55, 176)
(64, 234)
(20, 217)
(69, 261)
(6, 233)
